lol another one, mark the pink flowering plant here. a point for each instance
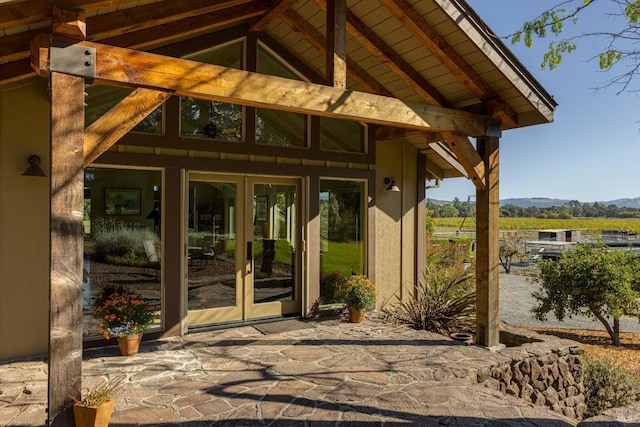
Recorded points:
(358, 292)
(121, 313)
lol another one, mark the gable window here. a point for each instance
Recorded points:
(101, 99)
(279, 127)
(219, 121)
(342, 136)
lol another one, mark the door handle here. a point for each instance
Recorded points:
(250, 255)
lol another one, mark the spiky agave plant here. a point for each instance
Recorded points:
(445, 300)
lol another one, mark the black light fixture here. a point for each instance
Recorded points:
(34, 168)
(391, 185)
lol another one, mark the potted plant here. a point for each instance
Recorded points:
(95, 409)
(359, 294)
(124, 315)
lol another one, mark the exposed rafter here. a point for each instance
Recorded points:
(115, 30)
(390, 58)
(317, 40)
(275, 13)
(432, 40)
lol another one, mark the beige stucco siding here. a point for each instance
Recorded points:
(395, 221)
(24, 221)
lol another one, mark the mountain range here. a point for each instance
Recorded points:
(545, 202)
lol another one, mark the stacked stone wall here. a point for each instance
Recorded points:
(546, 372)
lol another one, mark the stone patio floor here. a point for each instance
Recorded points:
(325, 374)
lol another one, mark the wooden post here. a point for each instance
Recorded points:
(67, 194)
(487, 246)
(66, 244)
(336, 53)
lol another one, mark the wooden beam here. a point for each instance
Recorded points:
(155, 14)
(213, 82)
(69, 23)
(336, 52)
(117, 122)
(15, 48)
(386, 133)
(172, 30)
(441, 151)
(496, 108)
(468, 157)
(65, 296)
(390, 58)
(21, 13)
(418, 26)
(24, 13)
(317, 40)
(272, 15)
(487, 247)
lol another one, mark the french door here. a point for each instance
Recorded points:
(243, 248)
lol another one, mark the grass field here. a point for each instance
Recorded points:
(595, 225)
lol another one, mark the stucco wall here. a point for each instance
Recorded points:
(24, 221)
(395, 268)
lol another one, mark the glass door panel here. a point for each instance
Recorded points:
(273, 278)
(214, 287)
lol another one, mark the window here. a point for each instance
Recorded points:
(219, 121)
(342, 231)
(279, 127)
(121, 246)
(341, 135)
(101, 99)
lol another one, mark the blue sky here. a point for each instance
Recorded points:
(591, 151)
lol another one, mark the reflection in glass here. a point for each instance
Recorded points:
(342, 225)
(279, 127)
(274, 242)
(341, 135)
(210, 119)
(212, 245)
(219, 121)
(121, 248)
(101, 99)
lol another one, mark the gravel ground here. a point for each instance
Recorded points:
(516, 303)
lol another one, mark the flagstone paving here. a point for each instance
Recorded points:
(332, 374)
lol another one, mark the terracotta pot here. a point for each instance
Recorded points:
(90, 416)
(130, 344)
(355, 315)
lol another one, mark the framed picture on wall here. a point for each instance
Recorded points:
(122, 201)
(262, 203)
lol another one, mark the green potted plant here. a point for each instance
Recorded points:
(359, 294)
(94, 410)
(124, 315)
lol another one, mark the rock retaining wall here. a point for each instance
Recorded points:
(543, 370)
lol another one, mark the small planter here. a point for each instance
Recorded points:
(93, 416)
(355, 315)
(129, 344)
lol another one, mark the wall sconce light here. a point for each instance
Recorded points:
(391, 185)
(34, 168)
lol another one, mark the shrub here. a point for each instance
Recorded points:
(358, 292)
(122, 245)
(445, 301)
(607, 386)
(330, 285)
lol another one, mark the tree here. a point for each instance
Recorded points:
(508, 249)
(620, 48)
(593, 281)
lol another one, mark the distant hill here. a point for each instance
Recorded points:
(538, 202)
(545, 202)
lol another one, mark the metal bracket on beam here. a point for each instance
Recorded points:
(73, 59)
(493, 127)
